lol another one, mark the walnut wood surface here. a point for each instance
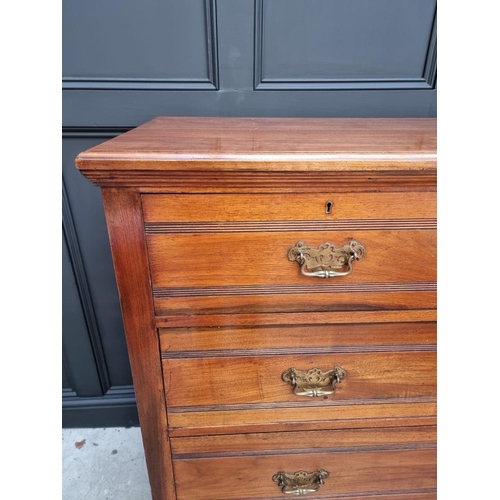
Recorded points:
(257, 380)
(177, 143)
(288, 207)
(126, 233)
(196, 421)
(351, 473)
(232, 179)
(261, 258)
(290, 442)
(264, 301)
(183, 341)
(299, 318)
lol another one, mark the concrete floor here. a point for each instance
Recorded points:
(102, 464)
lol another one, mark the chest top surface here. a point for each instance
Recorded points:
(268, 144)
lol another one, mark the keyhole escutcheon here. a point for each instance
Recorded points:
(328, 207)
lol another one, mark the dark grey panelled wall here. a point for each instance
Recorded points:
(125, 62)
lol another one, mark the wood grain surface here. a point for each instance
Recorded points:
(296, 318)
(288, 207)
(380, 472)
(230, 178)
(173, 143)
(257, 380)
(294, 442)
(209, 260)
(196, 421)
(126, 234)
(187, 302)
(348, 336)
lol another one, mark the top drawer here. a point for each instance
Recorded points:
(224, 253)
(186, 209)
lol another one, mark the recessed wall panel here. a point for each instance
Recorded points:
(142, 44)
(356, 42)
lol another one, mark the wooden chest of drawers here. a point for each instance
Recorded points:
(255, 376)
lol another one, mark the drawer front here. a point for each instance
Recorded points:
(370, 377)
(361, 462)
(226, 259)
(200, 208)
(281, 442)
(258, 340)
(223, 253)
(351, 474)
(234, 273)
(213, 420)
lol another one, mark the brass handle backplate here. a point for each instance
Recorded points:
(326, 261)
(301, 482)
(314, 382)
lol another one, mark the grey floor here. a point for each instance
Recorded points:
(104, 464)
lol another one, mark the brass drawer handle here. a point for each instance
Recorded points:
(301, 482)
(313, 382)
(326, 261)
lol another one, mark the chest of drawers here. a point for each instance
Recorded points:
(256, 377)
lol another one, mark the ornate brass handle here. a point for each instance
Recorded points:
(313, 382)
(301, 482)
(326, 261)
